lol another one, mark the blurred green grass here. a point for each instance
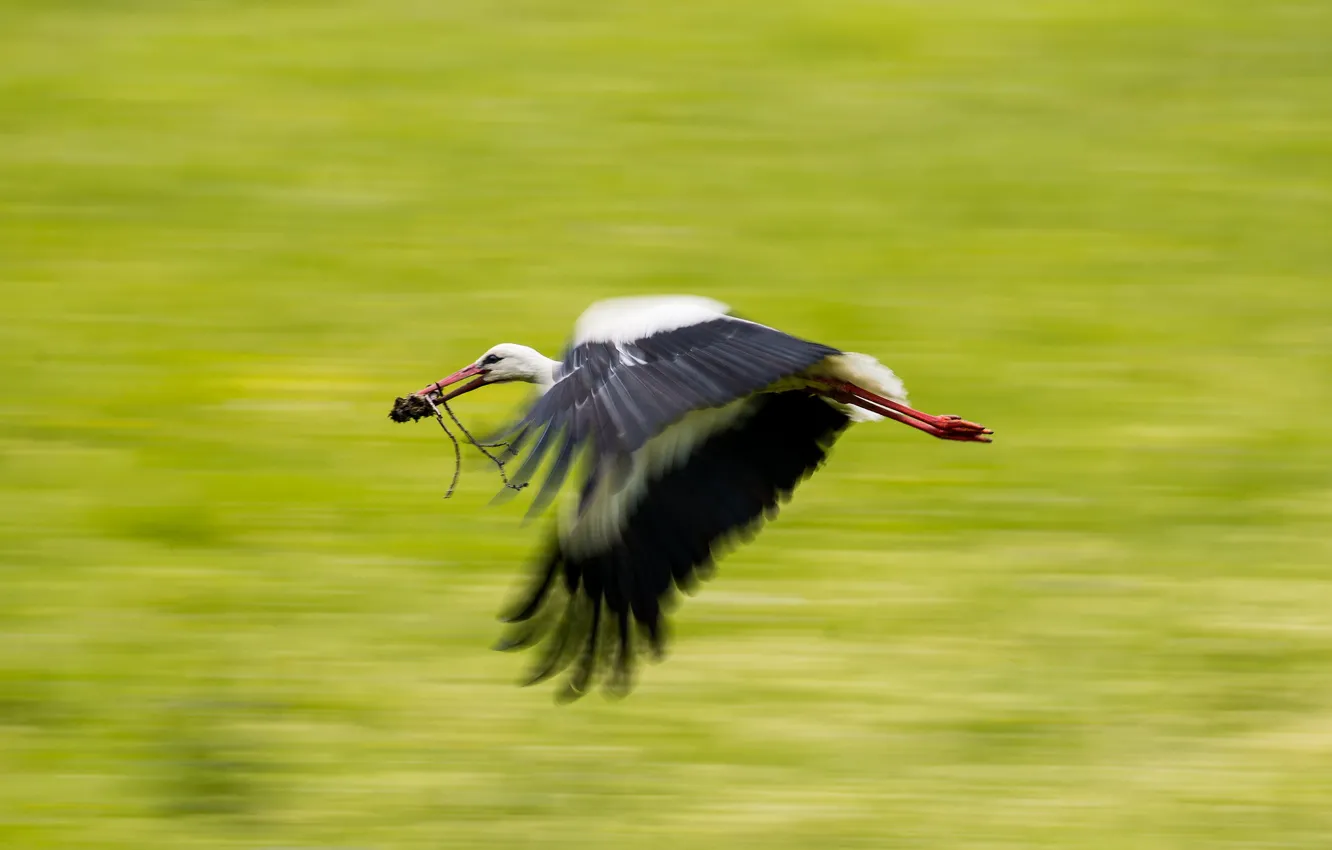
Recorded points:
(236, 613)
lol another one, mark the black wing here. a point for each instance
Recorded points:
(612, 397)
(592, 608)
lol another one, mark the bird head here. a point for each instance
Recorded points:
(502, 364)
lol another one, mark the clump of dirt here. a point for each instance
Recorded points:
(410, 409)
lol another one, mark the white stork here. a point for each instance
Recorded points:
(690, 426)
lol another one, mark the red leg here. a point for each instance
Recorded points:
(943, 427)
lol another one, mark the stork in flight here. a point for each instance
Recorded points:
(687, 427)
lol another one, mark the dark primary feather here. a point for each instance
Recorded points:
(593, 611)
(612, 398)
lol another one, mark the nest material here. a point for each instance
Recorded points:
(410, 408)
(416, 407)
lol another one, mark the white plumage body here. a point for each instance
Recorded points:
(628, 319)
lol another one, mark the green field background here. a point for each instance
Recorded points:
(235, 611)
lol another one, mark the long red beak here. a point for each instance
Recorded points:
(460, 375)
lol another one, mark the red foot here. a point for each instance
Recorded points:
(944, 427)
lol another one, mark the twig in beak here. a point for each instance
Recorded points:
(482, 447)
(457, 449)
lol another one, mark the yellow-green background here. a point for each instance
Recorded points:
(235, 612)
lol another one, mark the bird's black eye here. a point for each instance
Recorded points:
(490, 359)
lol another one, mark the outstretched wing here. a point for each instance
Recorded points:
(601, 587)
(635, 367)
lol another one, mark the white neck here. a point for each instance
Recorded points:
(545, 378)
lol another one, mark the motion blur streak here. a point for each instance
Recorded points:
(235, 612)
